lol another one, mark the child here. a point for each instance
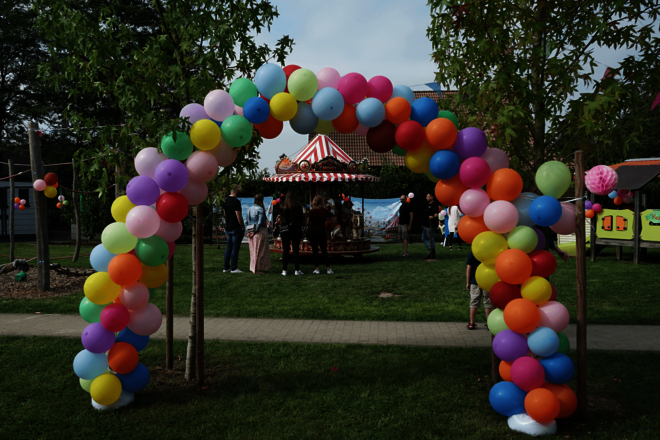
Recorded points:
(476, 292)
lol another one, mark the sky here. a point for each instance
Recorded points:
(371, 37)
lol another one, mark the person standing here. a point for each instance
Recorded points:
(431, 224)
(258, 238)
(291, 220)
(234, 228)
(454, 218)
(318, 215)
(476, 293)
(405, 223)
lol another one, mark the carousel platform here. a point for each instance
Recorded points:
(338, 247)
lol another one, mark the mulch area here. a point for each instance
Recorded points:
(60, 285)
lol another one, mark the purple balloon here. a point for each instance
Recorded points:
(470, 142)
(171, 175)
(541, 244)
(16, 205)
(509, 345)
(97, 339)
(588, 204)
(195, 112)
(142, 190)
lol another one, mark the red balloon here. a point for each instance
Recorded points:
(288, 70)
(381, 138)
(271, 128)
(410, 135)
(115, 317)
(51, 179)
(503, 293)
(347, 122)
(544, 263)
(172, 207)
(553, 296)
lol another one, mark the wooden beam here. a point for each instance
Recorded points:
(199, 292)
(581, 275)
(40, 210)
(637, 227)
(169, 316)
(10, 164)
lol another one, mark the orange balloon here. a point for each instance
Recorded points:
(589, 213)
(17, 200)
(21, 208)
(542, 405)
(513, 266)
(125, 269)
(618, 200)
(441, 134)
(521, 315)
(505, 370)
(271, 128)
(449, 191)
(123, 357)
(56, 185)
(470, 227)
(347, 122)
(117, 300)
(504, 184)
(59, 205)
(397, 110)
(566, 396)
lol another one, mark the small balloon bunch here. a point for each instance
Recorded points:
(48, 185)
(277, 199)
(621, 196)
(62, 201)
(591, 209)
(19, 204)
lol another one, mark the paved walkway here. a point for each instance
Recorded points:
(445, 334)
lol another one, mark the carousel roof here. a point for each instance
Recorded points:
(320, 147)
(322, 177)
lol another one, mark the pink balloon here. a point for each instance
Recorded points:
(114, 317)
(224, 154)
(169, 231)
(202, 166)
(142, 221)
(501, 216)
(39, 185)
(353, 87)
(219, 105)
(171, 246)
(597, 207)
(145, 321)
(195, 192)
(380, 87)
(496, 159)
(361, 130)
(474, 172)
(195, 112)
(601, 180)
(135, 296)
(146, 162)
(473, 202)
(328, 77)
(554, 315)
(238, 110)
(566, 223)
(527, 373)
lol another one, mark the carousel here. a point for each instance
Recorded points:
(320, 163)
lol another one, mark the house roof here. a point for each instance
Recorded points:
(320, 147)
(635, 173)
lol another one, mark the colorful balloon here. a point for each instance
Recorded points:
(507, 399)
(114, 317)
(522, 316)
(96, 339)
(545, 211)
(241, 90)
(202, 166)
(544, 263)
(88, 365)
(172, 207)
(302, 84)
(496, 322)
(470, 227)
(380, 87)
(305, 121)
(256, 110)
(474, 202)
(347, 121)
(500, 216)
(381, 138)
(194, 112)
(470, 142)
(417, 161)
(487, 246)
(117, 240)
(237, 131)
(100, 258)
(566, 223)
(504, 184)
(39, 185)
(205, 134)
(146, 321)
(496, 158)
(543, 342)
(513, 266)
(397, 110)
(328, 77)
(441, 134)
(142, 190)
(370, 112)
(410, 135)
(541, 405)
(423, 111)
(353, 87)
(502, 294)
(486, 276)
(509, 345)
(404, 92)
(444, 164)
(148, 159)
(283, 107)
(152, 251)
(270, 80)
(142, 221)
(553, 315)
(125, 269)
(553, 179)
(558, 368)
(123, 358)
(523, 238)
(566, 396)
(134, 296)
(527, 373)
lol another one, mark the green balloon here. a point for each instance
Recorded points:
(553, 178)
(86, 384)
(241, 90)
(89, 311)
(399, 151)
(496, 322)
(236, 131)
(66, 203)
(448, 115)
(523, 238)
(117, 240)
(152, 292)
(179, 149)
(564, 344)
(303, 84)
(152, 251)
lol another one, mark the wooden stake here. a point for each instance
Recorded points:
(10, 164)
(40, 210)
(592, 231)
(74, 187)
(637, 228)
(581, 272)
(199, 290)
(169, 316)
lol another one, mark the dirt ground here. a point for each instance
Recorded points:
(60, 285)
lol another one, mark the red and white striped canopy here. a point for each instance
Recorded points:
(320, 147)
(322, 177)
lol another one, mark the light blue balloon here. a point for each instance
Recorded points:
(613, 195)
(543, 341)
(305, 121)
(328, 104)
(522, 203)
(270, 80)
(404, 92)
(100, 258)
(370, 112)
(88, 365)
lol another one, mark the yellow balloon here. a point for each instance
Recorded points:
(536, 289)
(487, 246)
(486, 276)
(418, 161)
(117, 240)
(105, 389)
(283, 106)
(324, 127)
(120, 208)
(431, 177)
(50, 192)
(100, 289)
(205, 134)
(153, 277)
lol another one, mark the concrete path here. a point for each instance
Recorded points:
(443, 334)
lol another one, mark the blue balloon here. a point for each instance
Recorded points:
(328, 104)
(423, 110)
(613, 195)
(545, 211)
(507, 399)
(305, 121)
(218, 123)
(88, 365)
(137, 341)
(370, 112)
(256, 110)
(404, 92)
(444, 164)
(558, 368)
(543, 341)
(522, 203)
(100, 258)
(136, 380)
(270, 80)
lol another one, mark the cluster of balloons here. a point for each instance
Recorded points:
(48, 185)
(591, 209)
(621, 196)
(62, 201)
(277, 199)
(19, 204)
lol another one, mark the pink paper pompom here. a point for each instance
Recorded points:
(601, 180)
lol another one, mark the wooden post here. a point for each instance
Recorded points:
(199, 291)
(74, 187)
(10, 164)
(637, 227)
(592, 231)
(191, 353)
(581, 269)
(40, 210)
(169, 316)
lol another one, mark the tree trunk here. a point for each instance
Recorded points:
(191, 354)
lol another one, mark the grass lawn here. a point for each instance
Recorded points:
(276, 390)
(619, 292)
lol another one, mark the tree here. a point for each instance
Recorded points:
(518, 64)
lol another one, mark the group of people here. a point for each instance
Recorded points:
(290, 222)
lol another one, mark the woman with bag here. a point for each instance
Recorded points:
(257, 233)
(317, 235)
(291, 220)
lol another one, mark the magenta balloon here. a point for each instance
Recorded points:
(147, 160)
(473, 202)
(380, 87)
(501, 216)
(470, 142)
(195, 192)
(115, 317)
(219, 105)
(361, 130)
(135, 296)
(554, 315)
(171, 247)
(496, 159)
(202, 166)
(170, 231)
(474, 172)
(96, 339)
(566, 223)
(527, 373)
(195, 112)
(171, 175)
(328, 77)
(224, 153)
(142, 221)
(145, 321)
(353, 87)
(142, 190)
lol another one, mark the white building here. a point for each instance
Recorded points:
(24, 221)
